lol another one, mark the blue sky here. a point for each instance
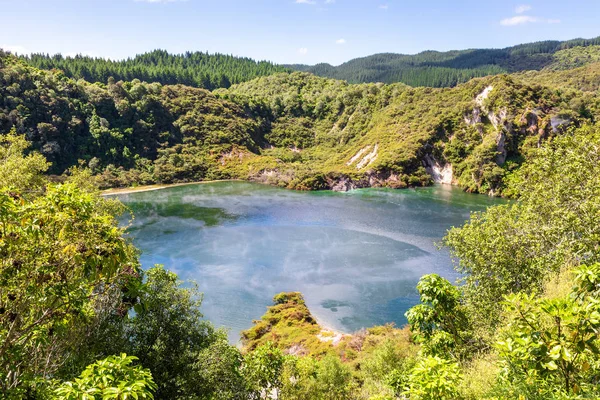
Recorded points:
(288, 31)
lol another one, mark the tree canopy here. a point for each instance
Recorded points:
(196, 69)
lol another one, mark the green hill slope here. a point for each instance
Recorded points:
(295, 130)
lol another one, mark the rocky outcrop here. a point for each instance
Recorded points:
(344, 183)
(501, 143)
(363, 159)
(499, 120)
(558, 123)
(442, 174)
(481, 97)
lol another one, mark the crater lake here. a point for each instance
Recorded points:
(355, 256)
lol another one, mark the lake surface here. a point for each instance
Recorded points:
(355, 256)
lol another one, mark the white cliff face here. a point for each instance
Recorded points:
(497, 119)
(369, 158)
(358, 155)
(483, 96)
(365, 159)
(440, 174)
(443, 175)
(475, 117)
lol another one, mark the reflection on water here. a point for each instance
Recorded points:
(355, 256)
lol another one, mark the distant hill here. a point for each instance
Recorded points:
(196, 69)
(447, 69)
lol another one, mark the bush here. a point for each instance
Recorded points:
(112, 378)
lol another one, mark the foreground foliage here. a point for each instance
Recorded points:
(112, 378)
(514, 248)
(62, 258)
(549, 346)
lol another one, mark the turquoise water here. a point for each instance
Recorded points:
(355, 256)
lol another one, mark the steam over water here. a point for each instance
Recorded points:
(355, 256)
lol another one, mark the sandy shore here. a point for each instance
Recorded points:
(149, 188)
(327, 328)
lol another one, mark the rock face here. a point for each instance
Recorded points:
(501, 143)
(483, 96)
(443, 174)
(370, 179)
(345, 184)
(499, 121)
(364, 160)
(557, 123)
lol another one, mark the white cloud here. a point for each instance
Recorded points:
(306, 2)
(329, 1)
(16, 49)
(384, 7)
(518, 20)
(303, 51)
(341, 41)
(523, 8)
(526, 19)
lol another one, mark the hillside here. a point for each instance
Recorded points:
(444, 69)
(585, 79)
(294, 130)
(197, 69)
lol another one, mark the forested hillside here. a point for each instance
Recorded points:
(197, 69)
(445, 69)
(294, 130)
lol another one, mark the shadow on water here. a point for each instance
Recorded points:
(210, 216)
